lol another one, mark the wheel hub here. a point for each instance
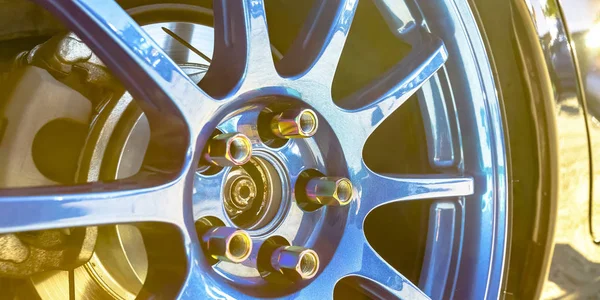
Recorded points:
(241, 194)
(253, 194)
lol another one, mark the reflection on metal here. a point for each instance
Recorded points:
(253, 195)
(242, 193)
(295, 262)
(227, 244)
(120, 249)
(332, 191)
(229, 149)
(443, 229)
(184, 115)
(295, 123)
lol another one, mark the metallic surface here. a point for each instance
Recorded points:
(69, 60)
(28, 253)
(478, 262)
(296, 263)
(183, 117)
(438, 256)
(119, 265)
(229, 149)
(332, 191)
(242, 193)
(227, 244)
(264, 198)
(26, 114)
(295, 123)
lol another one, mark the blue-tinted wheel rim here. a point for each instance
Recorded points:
(448, 69)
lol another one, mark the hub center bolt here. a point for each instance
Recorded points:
(229, 149)
(243, 192)
(296, 263)
(295, 123)
(227, 244)
(332, 191)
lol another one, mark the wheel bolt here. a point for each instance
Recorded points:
(295, 123)
(229, 149)
(296, 263)
(332, 191)
(227, 244)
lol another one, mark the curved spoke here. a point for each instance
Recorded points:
(397, 16)
(162, 89)
(441, 236)
(318, 47)
(385, 277)
(375, 102)
(377, 189)
(23, 209)
(242, 47)
(207, 196)
(354, 257)
(199, 284)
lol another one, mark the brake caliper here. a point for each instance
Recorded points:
(70, 61)
(73, 66)
(26, 253)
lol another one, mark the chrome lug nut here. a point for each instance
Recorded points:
(229, 149)
(295, 123)
(332, 191)
(227, 244)
(296, 263)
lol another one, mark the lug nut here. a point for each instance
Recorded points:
(229, 149)
(227, 244)
(332, 191)
(296, 263)
(295, 123)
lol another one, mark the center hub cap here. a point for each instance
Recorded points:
(253, 193)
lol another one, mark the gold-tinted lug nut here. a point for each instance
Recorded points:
(295, 123)
(296, 263)
(332, 191)
(227, 244)
(229, 149)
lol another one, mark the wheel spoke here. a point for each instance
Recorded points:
(355, 258)
(440, 249)
(242, 50)
(397, 16)
(37, 208)
(375, 102)
(198, 285)
(385, 277)
(162, 89)
(207, 196)
(377, 189)
(319, 45)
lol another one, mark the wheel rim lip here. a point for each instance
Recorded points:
(488, 206)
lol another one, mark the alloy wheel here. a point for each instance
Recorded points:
(185, 188)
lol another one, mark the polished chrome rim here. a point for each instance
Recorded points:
(464, 257)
